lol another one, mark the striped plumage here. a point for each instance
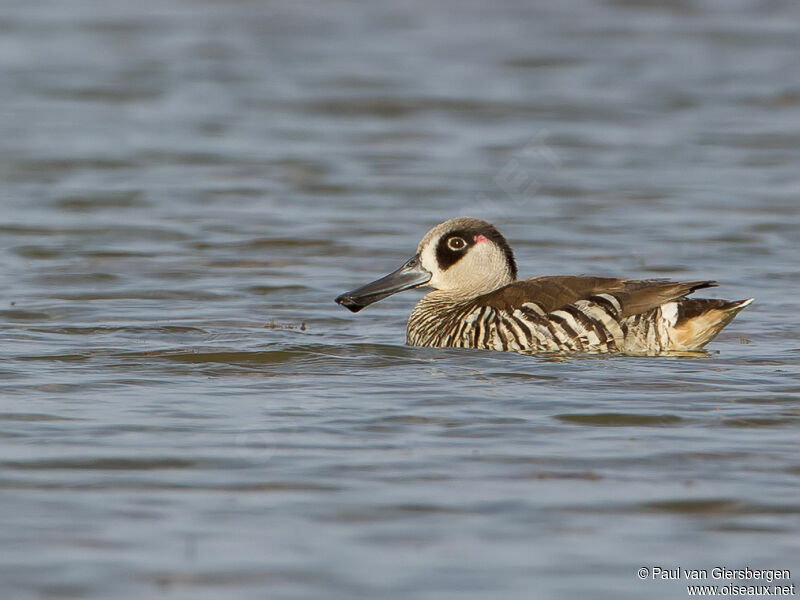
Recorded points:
(593, 315)
(478, 302)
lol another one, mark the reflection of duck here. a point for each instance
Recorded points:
(478, 302)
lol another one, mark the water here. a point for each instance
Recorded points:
(186, 186)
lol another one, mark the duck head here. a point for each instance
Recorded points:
(462, 257)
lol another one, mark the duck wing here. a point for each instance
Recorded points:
(627, 296)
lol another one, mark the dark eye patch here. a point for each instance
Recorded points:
(446, 255)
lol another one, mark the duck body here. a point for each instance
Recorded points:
(478, 302)
(574, 314)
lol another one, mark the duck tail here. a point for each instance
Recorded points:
(696, 321)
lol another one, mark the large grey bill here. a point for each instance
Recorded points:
(410, 275)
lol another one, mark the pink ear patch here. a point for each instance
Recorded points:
(479, 239)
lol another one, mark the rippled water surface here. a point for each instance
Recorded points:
(187, 185)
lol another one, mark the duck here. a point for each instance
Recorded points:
(478, 302)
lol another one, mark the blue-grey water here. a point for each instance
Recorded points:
(185, 186)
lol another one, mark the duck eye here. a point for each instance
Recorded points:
(456, 243)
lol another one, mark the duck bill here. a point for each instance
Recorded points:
(410, 275)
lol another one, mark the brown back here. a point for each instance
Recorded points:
(552, 293)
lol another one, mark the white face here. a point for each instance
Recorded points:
(463, 261)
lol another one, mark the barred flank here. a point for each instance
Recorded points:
(585, 326)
